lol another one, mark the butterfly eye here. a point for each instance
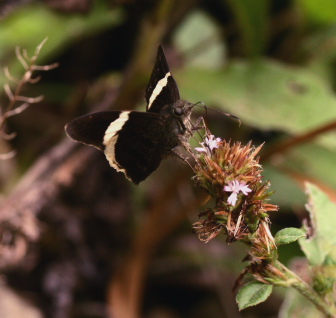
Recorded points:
(178, 112)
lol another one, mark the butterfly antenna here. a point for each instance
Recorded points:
(206, 108)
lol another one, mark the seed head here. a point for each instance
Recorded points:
(231, 174)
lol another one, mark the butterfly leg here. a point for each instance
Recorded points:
(199, 124)
(178, 155)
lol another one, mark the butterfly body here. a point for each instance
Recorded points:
(136, 142)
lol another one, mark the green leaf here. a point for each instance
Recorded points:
(296, 305)
(312, 250)
(252, 18)
(252, 294)
(288, 235)
(312, 161)
(287, 192)
(199, 29)
(322, 213)
(29, 25)
(320, 11)
(263, 93)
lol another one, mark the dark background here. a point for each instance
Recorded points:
(76, 238)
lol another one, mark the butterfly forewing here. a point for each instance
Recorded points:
(162, 89)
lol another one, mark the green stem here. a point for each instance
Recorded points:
(301, 286)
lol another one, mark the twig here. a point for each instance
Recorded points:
(14, 96)
(307, 291)
(297, 140)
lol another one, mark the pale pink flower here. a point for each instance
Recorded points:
(235, 187)
(209, 145)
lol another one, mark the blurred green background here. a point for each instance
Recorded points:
(76, 239)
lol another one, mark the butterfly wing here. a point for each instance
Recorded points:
(133, 142)
(90, 129)
(142, 147)
(162, 89)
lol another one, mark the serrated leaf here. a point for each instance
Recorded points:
(288, 235)
(322, 213)
(252, 294)
(312, 250)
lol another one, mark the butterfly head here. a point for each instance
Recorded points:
(182, 109)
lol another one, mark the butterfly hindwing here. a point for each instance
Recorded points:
(140, 146)
(133, 142)
(162, 89)
(90, 129)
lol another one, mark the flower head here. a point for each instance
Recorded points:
(232, 175)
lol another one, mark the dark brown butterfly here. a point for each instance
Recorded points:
(136, 142)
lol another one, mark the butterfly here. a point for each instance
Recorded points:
(136, 142)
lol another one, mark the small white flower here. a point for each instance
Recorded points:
(212, 142)
(235, 187)
(232, 199)
(209, 145)
(201, 149)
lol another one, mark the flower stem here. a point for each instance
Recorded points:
(307, 291)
